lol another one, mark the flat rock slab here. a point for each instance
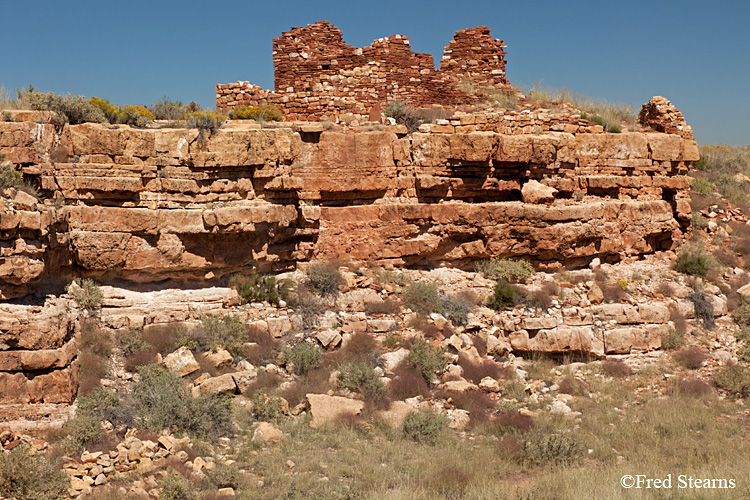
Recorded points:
(325, 408)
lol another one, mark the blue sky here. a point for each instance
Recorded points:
(695, 53)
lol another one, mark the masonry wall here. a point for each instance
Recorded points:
(317, 74)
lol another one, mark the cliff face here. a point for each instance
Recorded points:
(147, 205)
(151, 205)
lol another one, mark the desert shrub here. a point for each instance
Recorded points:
(616, 367)
(693, 259)
(9, 176)
(79, 432)
(224, 476)
(702, 185)
(360, 345)
(424, 427)
(543, 447)
(698, 222)
(512, 271)
(403, 114)
(86, 293)
(742, 313)
(427, 359)
(691, 387)
(267, 407)
(267, 113)
(324, 278)
(110, 110)
(175, 487)
(308, 304)
(392, 277)
(690, 357)
(131, 341)
(359, 376)
(96, 347)
(475, 371)
(204, 120)
(68, 109)
(104, 404)
(387, 306)
(95, 339)
(161, 400)
(477, 403)
(265, 349)
(513, 422)
(254, 287)
(703, 308)
(407, 383)
(422, 297)
(613, 292)
(135, 115)
(542, 298)
(734, 378)
(31, 477)
(304, 356)
(167, 109)
(572, 385)
(456, 308)
(505, 295)
(214, 332)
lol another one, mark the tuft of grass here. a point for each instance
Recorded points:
(175, 487)
(720, 166)
(266, 113)
(204, 120)
(558, 447)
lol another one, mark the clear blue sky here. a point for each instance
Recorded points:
(693, 52)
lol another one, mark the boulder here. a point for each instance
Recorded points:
(267, 434)
(325, 408)
(219, 359)
(182, 362)
(537, 193)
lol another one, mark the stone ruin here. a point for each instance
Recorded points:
(318, 74)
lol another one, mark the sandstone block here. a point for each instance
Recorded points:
(324, 408)
(182, 362)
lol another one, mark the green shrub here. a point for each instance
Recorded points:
(162, 400)
(110, 110)
(742, 313)
(9, 176)
(702, 185)
(175, 487)
(304, 356)
(227, 332)
(424, 427)
(324, 279)
(254, 287)
(428, 360)
(204, 120)
(735, 379)
(106, 405)
(505, 295)
(699, 222)
(135, 115)
(543, 447)
(512, 271)
(694, 260)
(403, 114)
(31, 477)
(690, 357)
(86, 293)
(81, 431)
(422, 297)
(132, 341)
(359, 376)
(267, 407)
